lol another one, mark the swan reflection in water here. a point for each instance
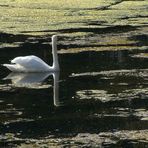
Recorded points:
(34, 80)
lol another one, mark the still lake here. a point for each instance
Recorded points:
(94, 92)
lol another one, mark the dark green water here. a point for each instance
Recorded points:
(98, 92)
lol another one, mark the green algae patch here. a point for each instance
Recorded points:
(39, 18)
(85, 25)
(19, 16)
(140, 55)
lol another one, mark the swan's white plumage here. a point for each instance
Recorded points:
(30, 63)
(33, 63)
(14, 67)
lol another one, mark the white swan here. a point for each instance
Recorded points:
(33, 63)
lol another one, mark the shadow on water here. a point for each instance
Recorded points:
(95, 92)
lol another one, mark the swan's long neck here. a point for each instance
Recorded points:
(54, 53)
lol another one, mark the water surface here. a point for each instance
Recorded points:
(94, 93)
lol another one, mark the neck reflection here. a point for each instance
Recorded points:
(34, 80)
(57, 101)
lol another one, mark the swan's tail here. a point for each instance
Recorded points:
(11, 67)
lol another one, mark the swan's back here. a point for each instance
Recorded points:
(28, 64)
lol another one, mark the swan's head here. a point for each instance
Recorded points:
(54, 38)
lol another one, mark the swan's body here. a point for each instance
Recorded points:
(33, 63)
